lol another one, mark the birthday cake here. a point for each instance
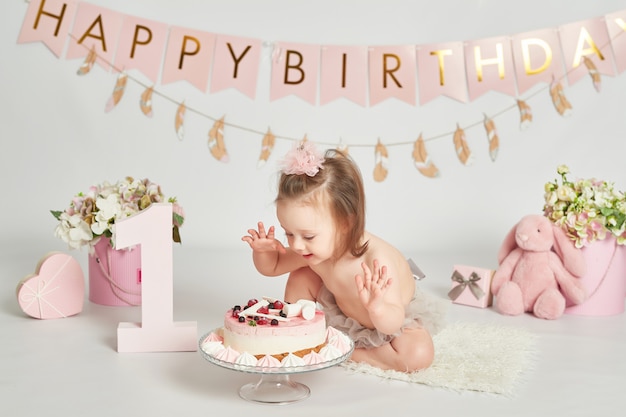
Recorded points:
(272, 333)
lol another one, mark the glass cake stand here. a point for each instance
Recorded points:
(275, 385)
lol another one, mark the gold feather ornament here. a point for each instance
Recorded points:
(146, 101)
(267, 145)
(463, 151)
(525, 113)
(558, 99)
(179, 121)
(423, 163)
(118, 92)
(216, 141)
(492, 137)
(381, 156)
(90, 59)
(594, 73)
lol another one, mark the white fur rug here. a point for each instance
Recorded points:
(469, 356)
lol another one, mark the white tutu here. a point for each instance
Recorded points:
(424, 311)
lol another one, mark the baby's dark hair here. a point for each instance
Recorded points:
(340, 185)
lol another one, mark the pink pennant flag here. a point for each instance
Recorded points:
(188, 57)
(295, 71)
(441, 71)
(616, 25)
(236, 65)
(48, 21)
(98, 28)
(392, 73)
(342, 74)
(141, 46)
(586, 38)
(489, 66)
(537, 58)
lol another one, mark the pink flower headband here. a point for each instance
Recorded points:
(303, 158)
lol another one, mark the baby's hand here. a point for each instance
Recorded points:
(372, 285)
(263, 242)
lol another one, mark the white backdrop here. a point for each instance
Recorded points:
(57, 139)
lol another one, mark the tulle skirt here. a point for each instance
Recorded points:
(424, 311)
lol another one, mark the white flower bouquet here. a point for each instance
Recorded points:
(587, 209)
(91, 215)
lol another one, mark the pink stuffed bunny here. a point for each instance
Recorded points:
(538, 269)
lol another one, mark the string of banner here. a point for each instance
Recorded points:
(421, 158)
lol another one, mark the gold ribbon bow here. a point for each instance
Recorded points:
(471, 283)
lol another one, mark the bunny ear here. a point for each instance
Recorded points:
(508, 244)
(571, 256)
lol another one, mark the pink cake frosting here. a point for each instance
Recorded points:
(276, 334)
(268, 361)
(227, 355)
(313, 358)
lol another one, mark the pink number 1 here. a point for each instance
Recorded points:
(152, 229)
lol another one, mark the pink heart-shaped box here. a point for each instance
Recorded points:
(56, 289)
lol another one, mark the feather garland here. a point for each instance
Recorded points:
(463, 151)
(146, 101)
(118, 92)
(381, 157)
(216, 141)
(525, 113)
(593, 72)
(492, 137)
(558, 99)
(423, 163)
(267, 145)
(88, 63)
(179, 121)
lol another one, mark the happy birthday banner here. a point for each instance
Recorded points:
(365, 75)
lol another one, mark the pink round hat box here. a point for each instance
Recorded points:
(121, 284)
(605, 279)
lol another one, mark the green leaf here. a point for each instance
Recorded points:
(607, 211)
(56, 214)
(179, 219)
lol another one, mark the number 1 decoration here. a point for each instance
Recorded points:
(152, 229)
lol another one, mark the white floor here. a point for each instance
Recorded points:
(70, 367)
